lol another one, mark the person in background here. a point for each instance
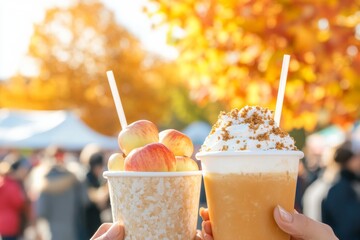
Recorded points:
(310, 168)
(13, 205)
(301, 185)
(317, 191)
(61, 197)
(341, 207)
(97, 192)
(3, 153)
(312, 161)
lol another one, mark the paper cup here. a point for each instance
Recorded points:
(155, 205)
(243, 188)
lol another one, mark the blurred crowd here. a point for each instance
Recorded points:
(52, 194)
(328, 187)
(57, 194)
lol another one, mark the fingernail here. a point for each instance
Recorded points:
(198, 235)
(207, 237)
(114, 232)
(285, 216)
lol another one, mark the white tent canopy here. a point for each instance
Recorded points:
(40, 129)
(334, 136)
(197, 131)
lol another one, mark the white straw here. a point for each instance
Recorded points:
(281, 91)
(117, 100)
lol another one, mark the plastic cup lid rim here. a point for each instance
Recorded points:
(252, 153)
(150, 174)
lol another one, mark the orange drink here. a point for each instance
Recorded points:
(243, 188)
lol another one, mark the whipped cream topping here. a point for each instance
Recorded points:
(251, 128)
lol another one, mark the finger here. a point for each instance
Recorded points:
(301, 227)
(206, 230)
(202, 236)
(204, 213)
(198, 235)
(102, 229)
(115, 232)
(208, 237)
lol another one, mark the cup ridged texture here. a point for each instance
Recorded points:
(156, 207)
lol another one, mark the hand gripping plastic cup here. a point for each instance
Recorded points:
(155, 205)
(243, 188)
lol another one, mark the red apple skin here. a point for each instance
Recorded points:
(185, 164)
(153, 157)
(116, 162)
(137, 134)
(177, 142)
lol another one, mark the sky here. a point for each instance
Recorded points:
(18, 16)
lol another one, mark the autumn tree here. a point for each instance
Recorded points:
(74, 47)
(231, 52)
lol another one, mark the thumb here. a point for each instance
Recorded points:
(301, 227)
(115, 232)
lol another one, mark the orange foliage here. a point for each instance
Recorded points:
(231, 52)
(73, 48)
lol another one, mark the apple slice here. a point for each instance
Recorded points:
(184, 164)
(153, 157)
(137, 134)
(116, 162)
(177, 142)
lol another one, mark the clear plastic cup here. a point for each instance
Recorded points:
(243, 188)
(155, 205)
